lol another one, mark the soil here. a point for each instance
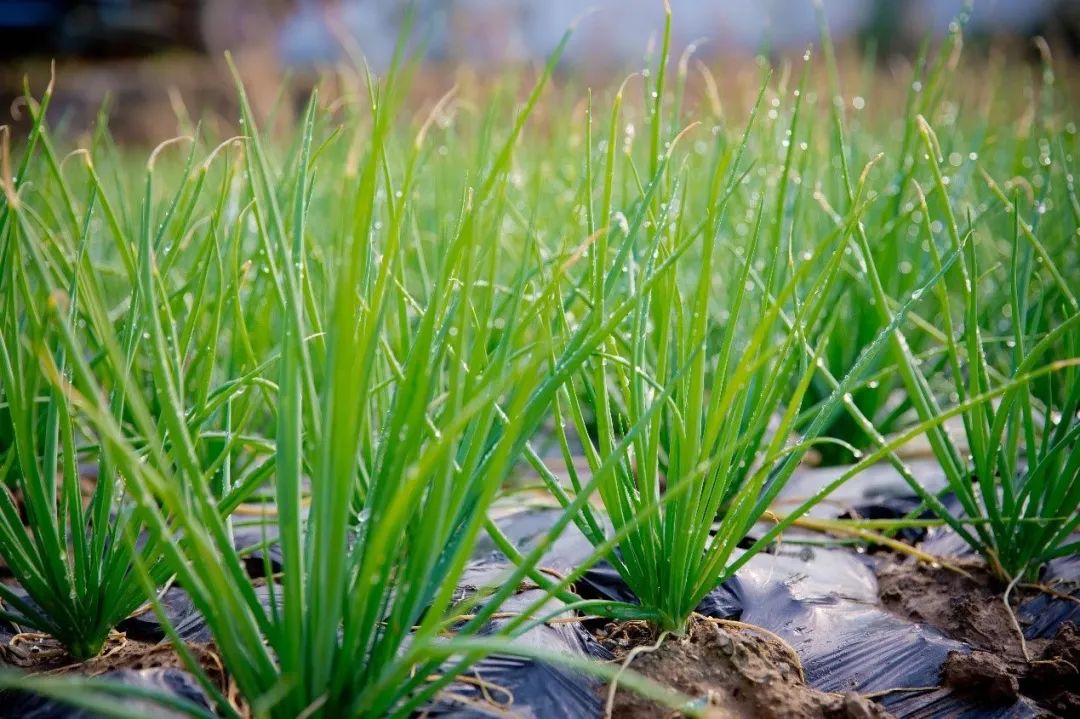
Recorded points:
(741, 673)
(40, 654)
(971, 609)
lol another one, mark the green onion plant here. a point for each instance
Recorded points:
(694, 418)
(63, 519)
(1016, 476)
(380, 370)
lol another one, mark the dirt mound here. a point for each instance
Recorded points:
(971, 609)
(740, 673)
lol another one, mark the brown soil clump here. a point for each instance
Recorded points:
(981, 673)
(971, 609)
(739, 674)
(1054, 679)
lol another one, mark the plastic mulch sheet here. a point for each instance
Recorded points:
(824, 602)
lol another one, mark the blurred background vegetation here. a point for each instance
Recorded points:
(150, 61)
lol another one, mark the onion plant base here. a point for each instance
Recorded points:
(149, 663)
